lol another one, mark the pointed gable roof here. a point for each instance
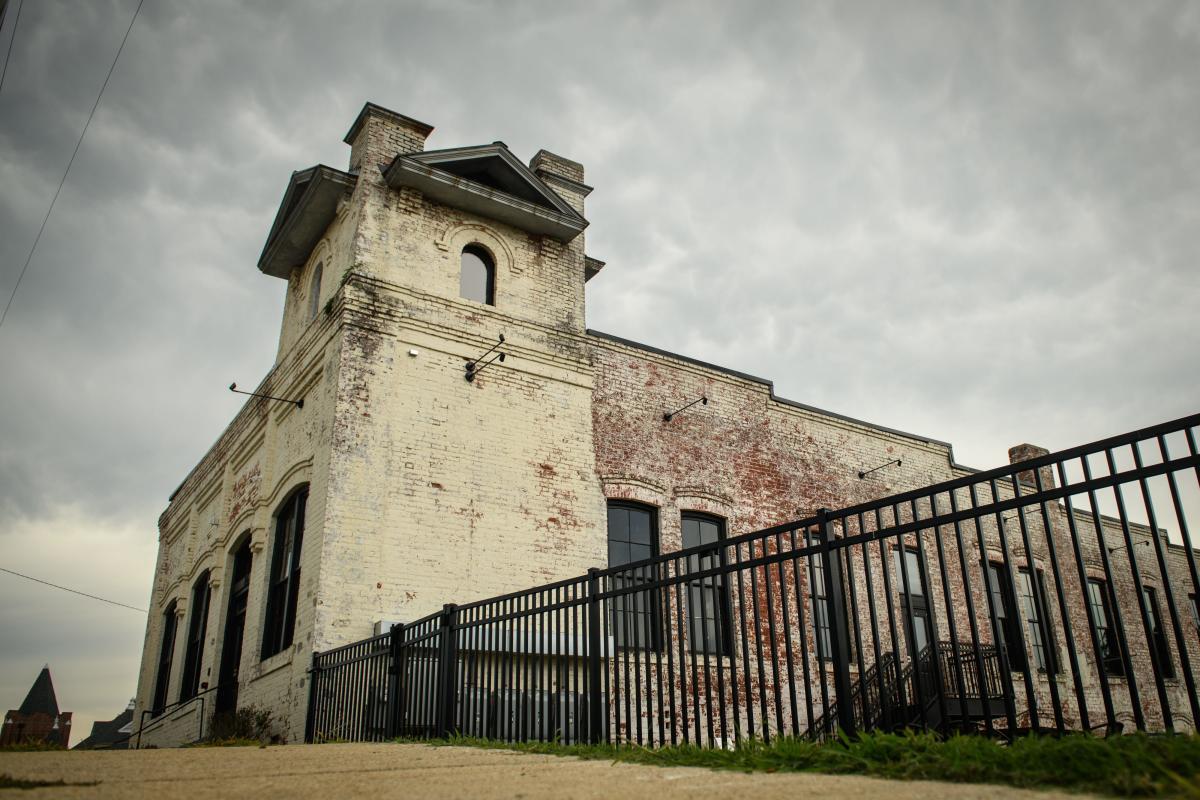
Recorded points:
(490, 181)
(41, 697)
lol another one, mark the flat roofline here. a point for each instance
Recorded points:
(782, 400)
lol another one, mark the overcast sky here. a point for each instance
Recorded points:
(977, 221)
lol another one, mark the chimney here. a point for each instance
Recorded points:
(379, 135)
(562, 175)
(1025, 452)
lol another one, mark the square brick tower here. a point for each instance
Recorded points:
(432, 436)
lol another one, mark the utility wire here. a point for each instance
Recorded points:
(72, 591)
(11, 39)
(82, 133)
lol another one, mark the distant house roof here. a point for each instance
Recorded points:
(41, 697)
(113, 734)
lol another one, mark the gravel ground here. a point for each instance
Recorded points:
(419, 771)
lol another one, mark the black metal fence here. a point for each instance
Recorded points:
(1056, 594)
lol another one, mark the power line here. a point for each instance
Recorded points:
(11, 39)
(82, 133)
(72, 591)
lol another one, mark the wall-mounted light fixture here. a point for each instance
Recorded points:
(865, 472)
(477, 366)
(297, 403)
(1112, 550)
(668, 415)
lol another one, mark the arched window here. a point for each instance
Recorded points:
(165, 654)
(197, 628)
(284, 586)
(314, 291)
(477, 279)
(633, 536)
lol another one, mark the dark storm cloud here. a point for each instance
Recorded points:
(976, 222)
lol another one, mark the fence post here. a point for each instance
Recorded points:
(395, 710)
(447, 670)
(839, 624)
(595, 731)
(314, 675)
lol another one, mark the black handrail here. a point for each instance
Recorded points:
(159, 712)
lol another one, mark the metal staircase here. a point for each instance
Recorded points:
(948, 685)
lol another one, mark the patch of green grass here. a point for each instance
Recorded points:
(9, 782)
(1124, 766)
(36, 746)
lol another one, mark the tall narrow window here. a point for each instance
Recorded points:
(166, 653)
(1111, 662)
(633, 536)
(914, 603)
(1195, 607)
(822, 632)
(477, 278)
(1035, 628)
(284, 586)
(707, 597)
(314, 291)
(1158, 635)
(197, 628)
(1004, 616)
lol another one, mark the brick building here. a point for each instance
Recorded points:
(38, 719)
(414, 474)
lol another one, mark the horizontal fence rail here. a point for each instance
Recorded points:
(1056, 594)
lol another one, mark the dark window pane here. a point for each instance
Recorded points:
(691, 532)
(618, 525)
(819, 603)
(1158, 635)
(639, 528)
(1106, 638)
(283, 590)
(195, 641)
(1005, 616)
(618, 553)
(476, 276)
(912, 570)
(165, 655)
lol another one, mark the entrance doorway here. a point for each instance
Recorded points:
(235, 626)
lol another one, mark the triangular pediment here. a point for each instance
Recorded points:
(490, 181)
(495, 166)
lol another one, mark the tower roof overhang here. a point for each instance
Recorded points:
(309, 204)
(490, 181)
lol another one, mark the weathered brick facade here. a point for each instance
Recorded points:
(425, 488)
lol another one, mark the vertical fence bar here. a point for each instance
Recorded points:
(980, 667)
(789, 658)
(1060, 591)
(314, 678)
(593, 655)
(1168, 593)
(1110, 589)
(447, 656)
(802, 629)
(395, 666)
(1135, 571)
(839, 628)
